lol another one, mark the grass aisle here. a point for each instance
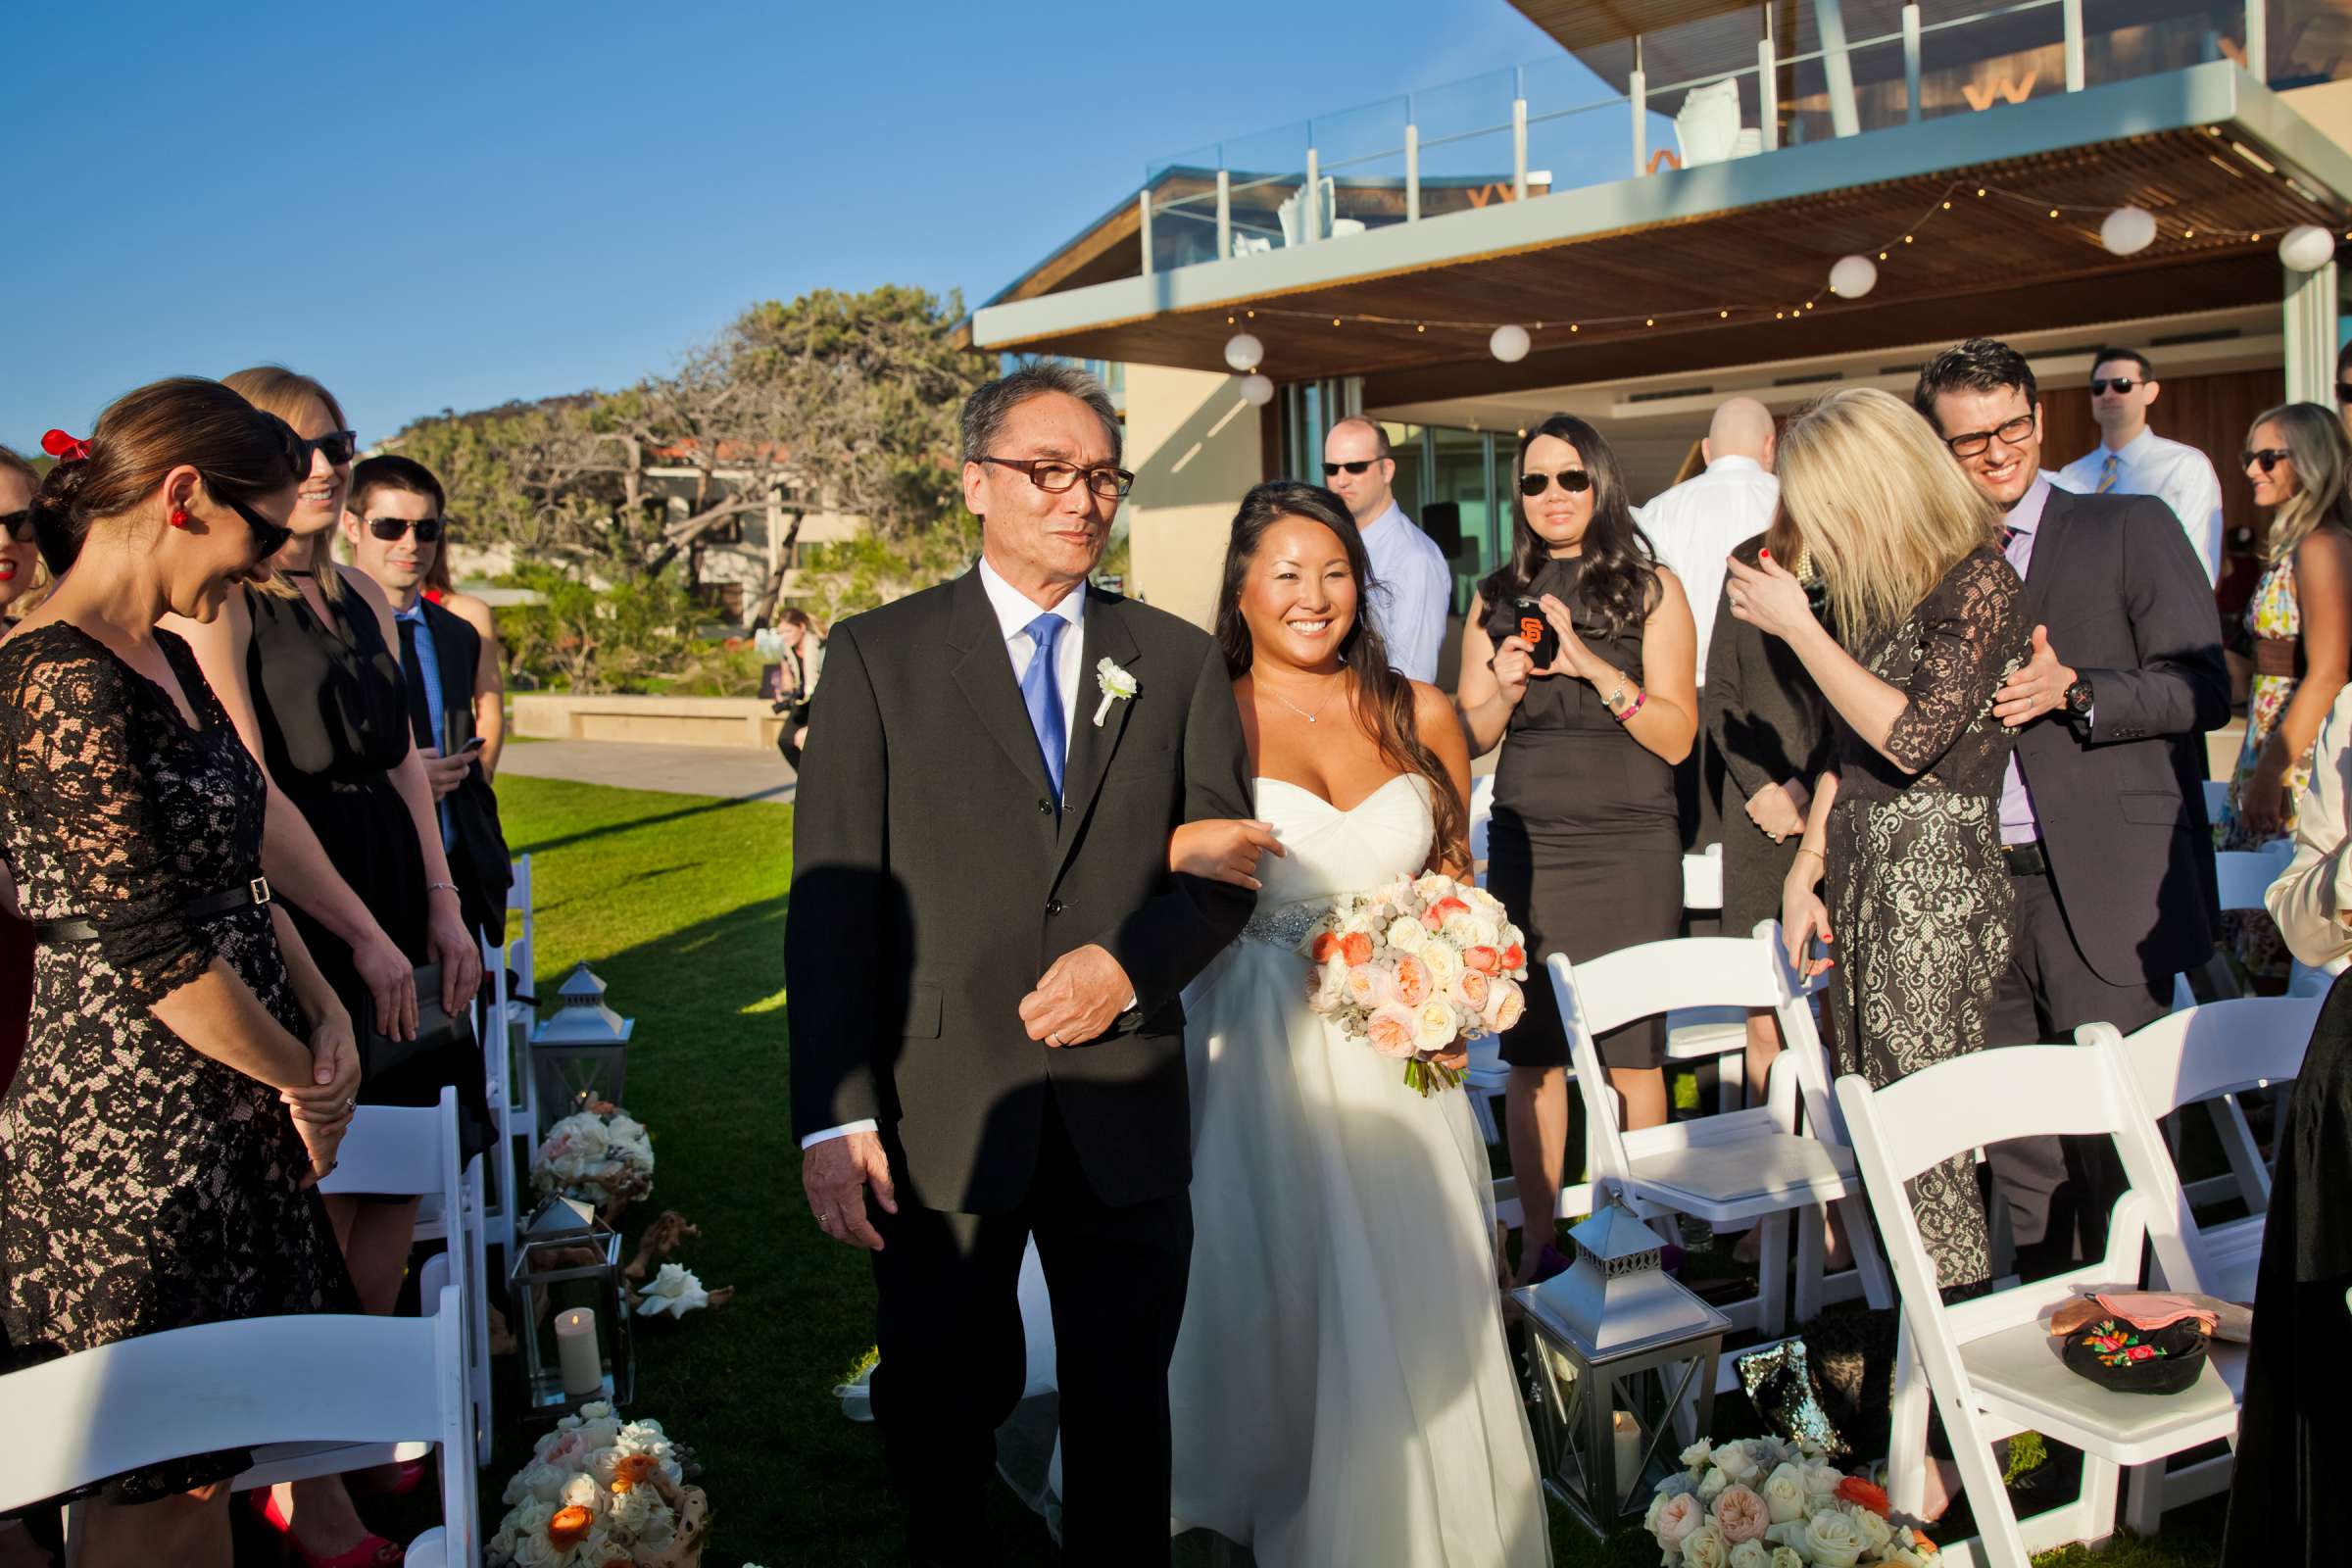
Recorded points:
(678, 902)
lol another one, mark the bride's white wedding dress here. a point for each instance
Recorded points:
(1341, 1392)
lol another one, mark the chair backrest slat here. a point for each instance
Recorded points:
(2216, 1049)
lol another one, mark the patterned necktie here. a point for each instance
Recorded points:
(2107, 474)
(1041, 693)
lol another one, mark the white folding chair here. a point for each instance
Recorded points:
(1752, 1165)
(405, 1151)
(1701, 1034)
(320, 1381)
(2244, 876)
(2180, 1059)
(1485, 1076)
(2217, 796)
(1990, 1364)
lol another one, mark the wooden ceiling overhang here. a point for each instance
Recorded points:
(1754, 236)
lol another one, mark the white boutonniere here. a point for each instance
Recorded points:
(1116, 685)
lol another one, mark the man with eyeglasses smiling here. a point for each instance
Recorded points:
(1412, 587)
(2134, 461)
(2102, 812)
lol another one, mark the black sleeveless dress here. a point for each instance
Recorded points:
(1584, 849)
(334, 719)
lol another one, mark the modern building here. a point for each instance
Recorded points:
(1658, 208)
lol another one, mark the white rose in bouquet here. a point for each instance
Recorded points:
(1432, 884)
(1444, 964)
(1712, 1485)
(623, 1126)
(1821, 1481)
(1784, 1494)
(1786, 1557)
(1751, 1554)
(1406, 935)
(1876, 1531)
(1738, 1462)
(1696, 1456)
(1434, 1025)
(582, 1491)
(1677, 1521)
(1833, 1540)
(535, 1551)
(1707, 1548)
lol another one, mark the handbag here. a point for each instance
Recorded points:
(2134, 1342)
(437, 1032)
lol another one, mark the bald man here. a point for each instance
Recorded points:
(1694, 526)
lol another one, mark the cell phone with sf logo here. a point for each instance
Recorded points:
(1536, 629)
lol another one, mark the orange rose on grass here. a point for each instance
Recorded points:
(568, 1528)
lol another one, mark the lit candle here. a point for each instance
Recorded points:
(575, 1347)
(1628, 1434)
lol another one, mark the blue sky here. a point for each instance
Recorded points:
(435, 205)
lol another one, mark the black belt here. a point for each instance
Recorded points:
(228, 901)
(2025, 860)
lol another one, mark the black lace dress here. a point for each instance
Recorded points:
(1917, 891)
(143, 1185)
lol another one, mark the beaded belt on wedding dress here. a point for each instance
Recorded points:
(1286, 925)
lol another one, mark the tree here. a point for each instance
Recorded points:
(842, 401)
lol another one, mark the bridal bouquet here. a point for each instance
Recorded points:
(1764, 1503)
(599, 1490)
(604, 1157)
(1414, 967)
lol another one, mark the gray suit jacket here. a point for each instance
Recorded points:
(933, 883)
(2120, 801)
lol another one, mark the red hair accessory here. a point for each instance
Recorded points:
(64, 448)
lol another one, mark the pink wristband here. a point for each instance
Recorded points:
(1632, 707)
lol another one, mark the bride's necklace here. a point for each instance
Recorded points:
(1337, 681)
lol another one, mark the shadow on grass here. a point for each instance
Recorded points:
(588, 835)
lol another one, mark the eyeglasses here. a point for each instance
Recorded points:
(1055, 476)
(1331, 471)
(2011, 432)
(1574, 481)
(2118, 384)
(388, 530)
(18, 526)
(339, 446)
(2267, 458)
(2343, 391)
(268, 538)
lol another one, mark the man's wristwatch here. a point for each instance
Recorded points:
(2077, 698)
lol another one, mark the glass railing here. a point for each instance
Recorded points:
(1694, 94)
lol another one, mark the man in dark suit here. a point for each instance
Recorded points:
(983, 951)
(2104, 811)
(393, 526)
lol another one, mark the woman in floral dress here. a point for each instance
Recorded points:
(2300, 617)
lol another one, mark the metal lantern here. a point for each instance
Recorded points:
(581, 1053)
(1604, 1426)
(571, 1316)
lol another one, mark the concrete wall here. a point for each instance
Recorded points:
(1193, 447)
(746, 721)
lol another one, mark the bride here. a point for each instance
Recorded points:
(1341, 1391)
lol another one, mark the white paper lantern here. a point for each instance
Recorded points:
(2128, 230)
(2307, 248)
(1244, 352)
(1509, 344)
(1853, 276)
(1256, 391)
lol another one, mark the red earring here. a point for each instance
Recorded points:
(179, 517)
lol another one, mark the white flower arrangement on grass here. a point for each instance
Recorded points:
(1760, 1502)
(601, 1155)
(599, 1490)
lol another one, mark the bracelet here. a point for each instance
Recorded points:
(1632, 707)
(1816, 853)
(440, 887)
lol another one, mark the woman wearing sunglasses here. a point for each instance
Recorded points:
(1583, 848)
(2300, 618)
(308, 665)
(191, 1073)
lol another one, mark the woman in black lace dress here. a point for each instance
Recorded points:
(189, 1078)
(1904, 828)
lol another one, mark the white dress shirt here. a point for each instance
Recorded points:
(2173, 472)
(1695, 526)
(1413, 589)
(1014, 612)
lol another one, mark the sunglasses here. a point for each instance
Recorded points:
(2267, 458)
(1332, 469)
(2010, 433)
(269, 537)
(18, 526)
(2343, 391)
(1574, 481)
(2118, 384)
(388, 530)
(339, 446)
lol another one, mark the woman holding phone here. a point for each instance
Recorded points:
(1903, 831)
(1580, 659)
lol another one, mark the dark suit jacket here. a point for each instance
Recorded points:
(478, 862)
(2121, 802)
(933, 884)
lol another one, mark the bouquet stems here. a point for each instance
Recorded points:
(1427, 1077)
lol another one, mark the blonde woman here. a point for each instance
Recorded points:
(1904, 826)
(2300, 618)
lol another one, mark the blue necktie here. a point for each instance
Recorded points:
(1043, 695)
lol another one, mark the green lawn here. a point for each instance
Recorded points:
(678, 902)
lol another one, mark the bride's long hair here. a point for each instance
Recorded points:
(1382, 698)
